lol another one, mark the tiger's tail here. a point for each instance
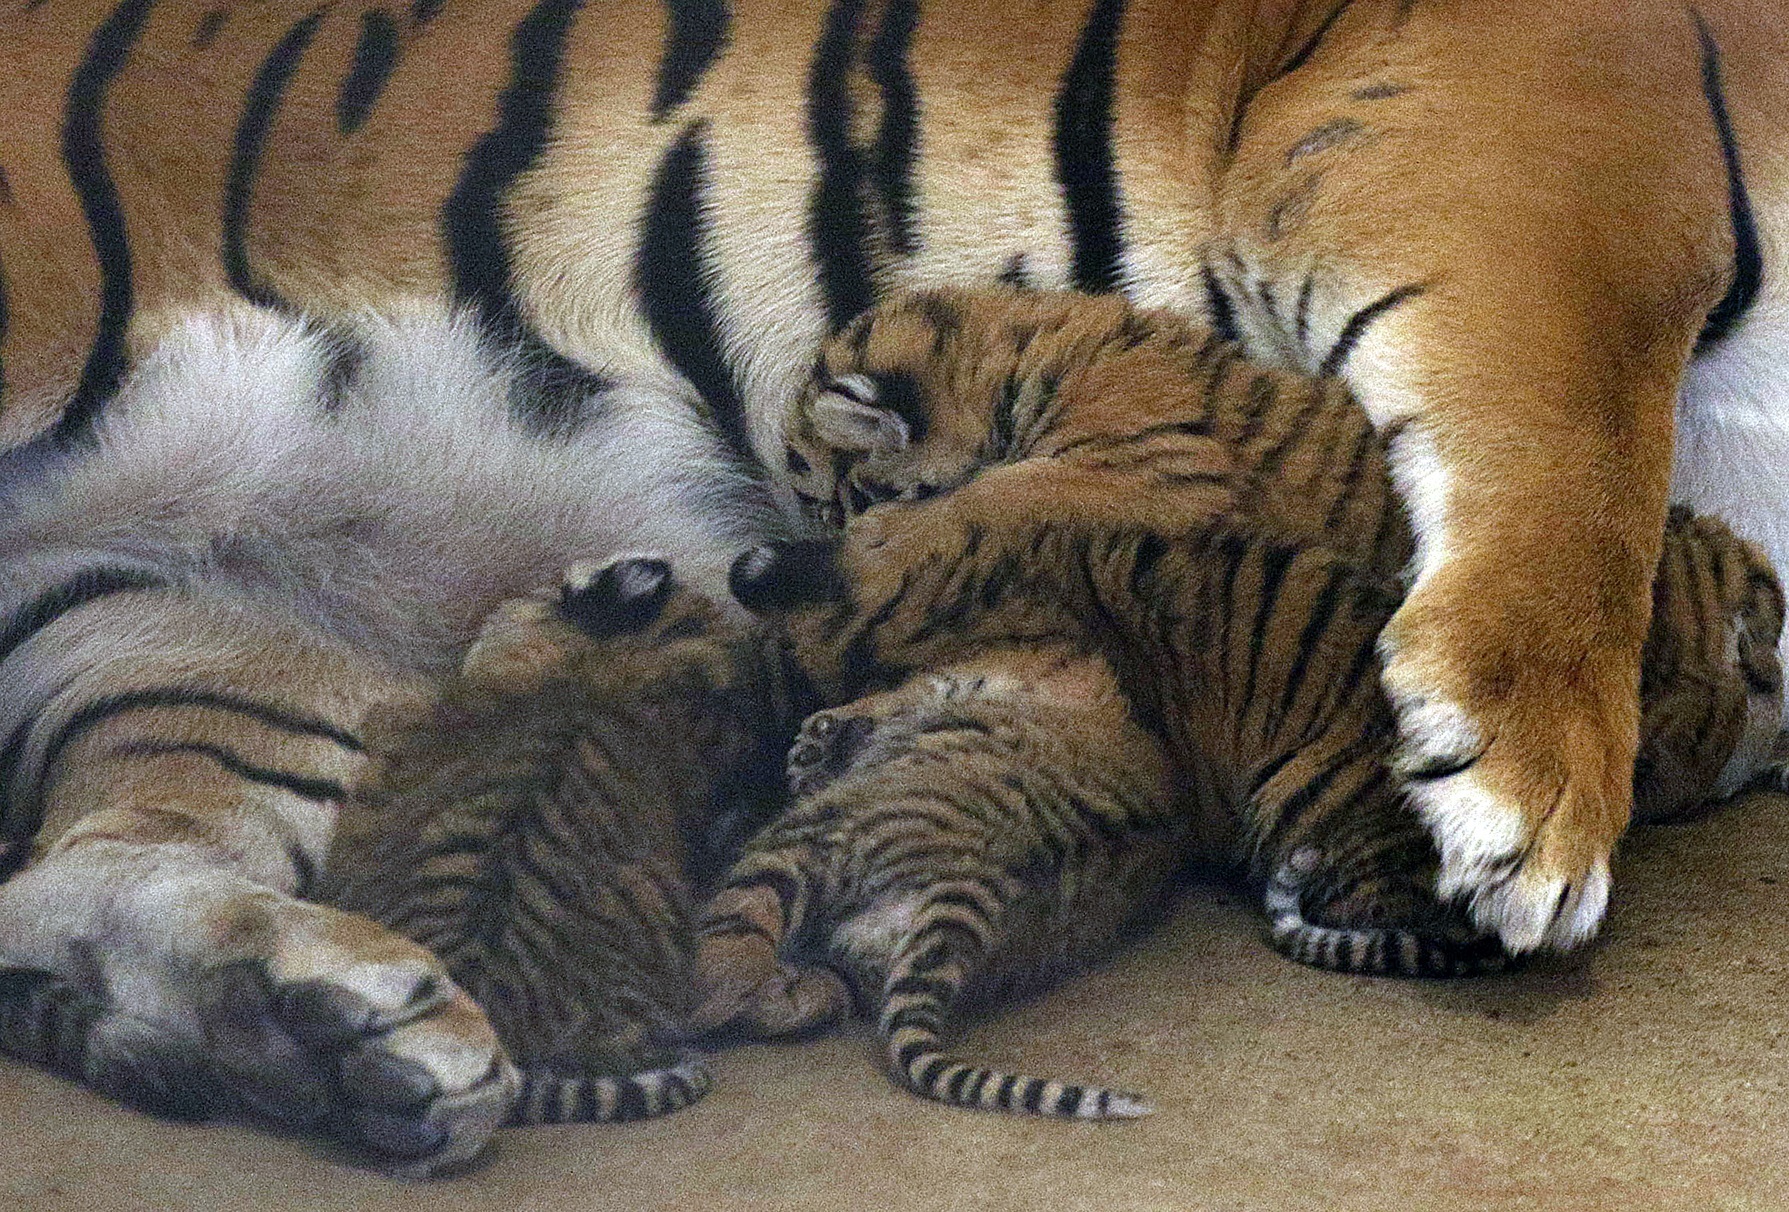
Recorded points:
(922, 985)
(1366, 950)
(559, 1095)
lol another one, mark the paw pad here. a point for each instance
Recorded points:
(825, 748)
(615, 599)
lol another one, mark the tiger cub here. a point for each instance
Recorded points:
(543, 824)
(971, 831)
(1007, 808)
(1226, 536)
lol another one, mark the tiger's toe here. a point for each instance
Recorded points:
(346, 1029)
(824, 749)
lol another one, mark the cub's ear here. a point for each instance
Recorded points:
(848, 416)
(778, 578)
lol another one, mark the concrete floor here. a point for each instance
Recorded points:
(1650, 1074)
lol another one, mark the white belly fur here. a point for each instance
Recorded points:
(1732, 453)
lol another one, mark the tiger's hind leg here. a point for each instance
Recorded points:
(747, 985)
(180, 825)
(750, 987)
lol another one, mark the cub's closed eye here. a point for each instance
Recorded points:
(859, 389)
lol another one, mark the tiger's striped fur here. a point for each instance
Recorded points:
(1021, 451)
(285, 551)
(542, 825)
(976, 829)
(666, 203)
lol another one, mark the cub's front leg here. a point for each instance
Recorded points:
(1511, 281)
(158, 949)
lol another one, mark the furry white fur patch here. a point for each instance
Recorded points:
(1483, 840)
(393, 520)
(1731, 456)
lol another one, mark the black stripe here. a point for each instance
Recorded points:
(836, 222)
(321, 790)
(471, 218)
(424, 11)
(939, 991)
(1273, 572)
(1289, 812)
(928, 1072)
(84, 154)
(1748, 261)
(897, 140)
(79, 590)
(589, 1107)
(550, 387)
(375, 57)
(631, 1103)
(911, 1051)
(700, 30)
(1365, 443)
(1220, 313)
(1357, 326)
(24, 826)
(1310, 639)
(1083, 147)
(209, 27)
(1438, 768)
(304, 870)
(1302, 313)
(263, 104)
(674, 288)
(1303, 54)
(270, 714)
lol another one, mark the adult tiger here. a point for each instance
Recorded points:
(1511, 226)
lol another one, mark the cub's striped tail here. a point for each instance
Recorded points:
(1366, 950)
(554, 1095)
(923, 984)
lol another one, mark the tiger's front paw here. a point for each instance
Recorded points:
(1524, 777)
(207, 995)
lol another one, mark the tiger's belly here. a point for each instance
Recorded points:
(1732, 449)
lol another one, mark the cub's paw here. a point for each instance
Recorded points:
(619, 598)
(758, 997)
(892, 538)
(824, 749)
(527, 641)
(1525, 790)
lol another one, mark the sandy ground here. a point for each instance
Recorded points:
(1652, 1073)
